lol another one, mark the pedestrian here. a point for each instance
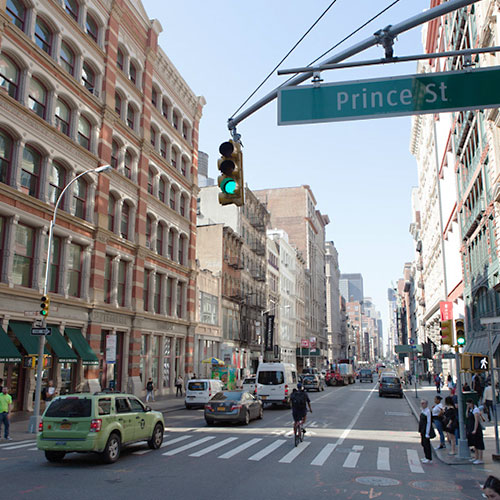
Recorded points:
(194, 376)
(437, 381)
(450, 423)
(426, 431)
(488, 400)
(150, 390)
(409, 378)
(474, 431)
(49, 392)
(449, 379)
(477, 385)
(437, 420)
(178, 385)
(466, 387)
(491, 488)
(5, 409)
(429, 378)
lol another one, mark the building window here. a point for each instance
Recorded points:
(24, 247)
(159, 238)
(111, 213)
(37, 99)
(30, 171)
(57, 181)
(43, 35)
(183, 167)
(55, 265)
(84, 132)
(149, 224)
(130, 116)
(150, 181)
(67, 58)
(118, 104)
(17, 12)
(80, 198)
(9, 76)
(154, 97)
(133, 73)
(124, 222)
(3, 221)
(114, 154)
(181, 250)
(209, 307)
(174, 158)
(172, 198)
(108, 266)
(145, 289)
(171, 244)
(119, 58)
(5, 157)
(157, 294)
(175, 121)
(122, 282)
(152, 136)
(166, 361)
(161, 190)
(164, 108)
(180, 299)
(163, 148)
(72, 8)
(75, 270)
(92, 28)
(170, 287)
(182, 206)
(127, 165)
(63, 117)
(88, 78)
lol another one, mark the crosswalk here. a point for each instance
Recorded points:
(315, 453)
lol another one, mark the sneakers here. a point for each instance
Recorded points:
(478, 462)
(451, 453)
(426, 461)
(8, 438)
(440, 447)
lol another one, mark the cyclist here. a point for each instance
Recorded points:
(300, 400)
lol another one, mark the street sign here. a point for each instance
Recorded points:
(384, 97)
(41, 331)
(407, 348)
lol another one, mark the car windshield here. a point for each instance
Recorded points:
(197, 386)
(390, 380)
(249, 381)
(309, 378)
(271, 378)
(228, 396)
(69, 407)
(366, 372)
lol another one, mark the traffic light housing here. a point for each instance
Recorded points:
(460, 331)
(480, 363)
(45, 305)
(447, 332)
(230, 181)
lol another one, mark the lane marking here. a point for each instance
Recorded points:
(352, 460)
(241, 448)
(12, 443)
(292, 455)
(175, 451)
(414, 462)
(267, 450)
(176, 440)
(141, 452)
(354, 420)
(323, 455)
(213, 447)
(15, 447)
(383, 458)
(358, 447)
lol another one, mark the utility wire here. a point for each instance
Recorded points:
(287, 54)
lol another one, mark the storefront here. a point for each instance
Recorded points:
(10, 362)
(86, 356)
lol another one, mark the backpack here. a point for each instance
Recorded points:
(149, 386)
(299, 399)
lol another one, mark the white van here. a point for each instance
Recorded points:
(200, 391)
(275, 382)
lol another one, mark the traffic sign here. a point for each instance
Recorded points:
(480, 363)
(41, 331)
(384, 97)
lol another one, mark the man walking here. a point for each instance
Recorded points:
(437, 381)
(488, 399)
(150, 390)
(425, 429)
(178, 385)
(5, 408)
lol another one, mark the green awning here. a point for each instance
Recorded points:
(81, 346)
(60, 347)
(8, 351)
(23, 333)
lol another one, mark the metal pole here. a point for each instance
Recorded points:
(415, 368)
(463, 448)
(492, 374)
(390, 31)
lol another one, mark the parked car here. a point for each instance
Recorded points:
(99, 422)
(200, 391)
(313, 382)
(275, 382)
(250, 385)
(390, 384)
(365, 374)
(233, 406)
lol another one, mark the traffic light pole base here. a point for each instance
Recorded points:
(463, 449)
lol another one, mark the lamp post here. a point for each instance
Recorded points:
(35, 419)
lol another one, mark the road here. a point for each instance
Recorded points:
(358, 446)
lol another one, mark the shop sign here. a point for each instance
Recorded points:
(111, 348)
(446, 309)
(312, 342)
(304, 343)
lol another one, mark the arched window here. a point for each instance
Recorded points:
(181, 250)
(80, 198)
(151, 176)
(75, 269)
(127, 165)
(88, 77)
(175, 121)
(37, 99)
(154, 97)
(182, 206)
(17, 12)
(72, 8)
(5, 156)
(84, 132)
(43, 35)
(159, 238)
(164, 108)
(185, 131)
(30, 171)
(67, 58)
(161, 190)
(114, 154)
(118, 104)
(173, 160)
(163, 147)
(124, 222)
(119, 58)
(111, 212)
(9, 75)
(130, 116)
(172, 198)
(63, 116)
(152, 136)
(170, 250)
(132, 73)
(149, 225)
(57, 181)
(92, 28)
(184, 167)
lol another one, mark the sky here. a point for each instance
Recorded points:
(361, 172)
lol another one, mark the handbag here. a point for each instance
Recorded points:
(432, 433)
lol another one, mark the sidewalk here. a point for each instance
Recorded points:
(428, 392)
(19, 422)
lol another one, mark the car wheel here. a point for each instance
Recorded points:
(188, 407)
(261, 413)
(246, 419)
(55, 456)
(111, 451)
(157, 438)
(209, 422)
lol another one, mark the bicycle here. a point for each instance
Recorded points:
(299, 432)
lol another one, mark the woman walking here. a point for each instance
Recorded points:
(474, 431)
(450, 423)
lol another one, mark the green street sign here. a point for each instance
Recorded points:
(386, 97)
(408, 348)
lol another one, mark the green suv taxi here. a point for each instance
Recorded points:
(100, 422)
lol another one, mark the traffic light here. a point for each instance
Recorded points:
(460, 331)
(231, 179)
(480, 363)
(446, 332)
(45, 305)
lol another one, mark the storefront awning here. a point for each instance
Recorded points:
(22, 331)
(8, 351)
(60, 347)
(81, 346)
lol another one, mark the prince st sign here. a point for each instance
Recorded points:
(385, 97)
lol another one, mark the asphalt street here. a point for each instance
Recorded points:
(357, 446)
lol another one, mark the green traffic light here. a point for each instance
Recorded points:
(228, 186)
(460, 341)
(43, 313)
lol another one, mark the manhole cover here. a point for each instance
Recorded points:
(435, 486)
(377, 481)
(397, 414)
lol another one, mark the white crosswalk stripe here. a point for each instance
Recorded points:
(12, 443)
(414, 462)
(241, 448)
(15, 446)
(175, 451)
(267, 450)
(323, 455)
(383, 458)
(213, 447)
(292, 455)
(352, 460)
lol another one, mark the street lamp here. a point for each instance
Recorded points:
(34, 421)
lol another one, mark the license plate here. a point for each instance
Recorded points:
(221, 408)
(65, 427)
(190, 397)
(263, 397)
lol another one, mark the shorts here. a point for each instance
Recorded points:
(298, 413)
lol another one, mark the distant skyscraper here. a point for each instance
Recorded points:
(351, 287)
(203, 179)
